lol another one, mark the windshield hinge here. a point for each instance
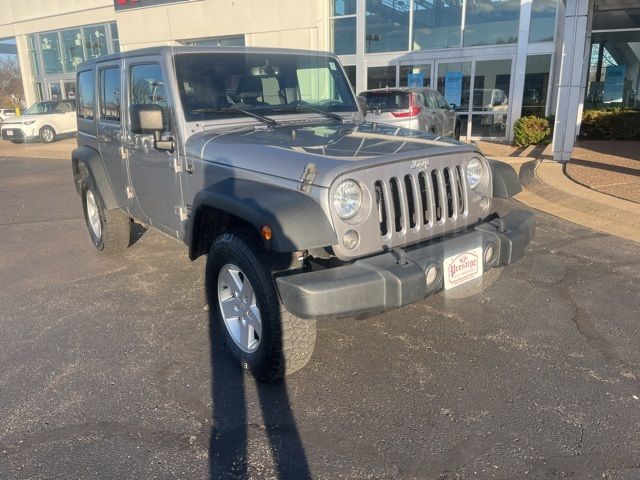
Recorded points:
(182, 213)
(308, 176)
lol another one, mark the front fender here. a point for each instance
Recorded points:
(506, 183)
(296, 220)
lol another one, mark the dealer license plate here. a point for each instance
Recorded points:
(9, 133)
(462, 267)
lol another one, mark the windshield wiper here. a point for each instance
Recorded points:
(309, 108)
(263, 119)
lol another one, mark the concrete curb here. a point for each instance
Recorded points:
(547, 188)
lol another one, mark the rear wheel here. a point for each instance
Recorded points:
(246, 309)
(47, 134)
(109, 229)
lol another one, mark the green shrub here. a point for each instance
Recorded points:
(531, 131)
(611, 124)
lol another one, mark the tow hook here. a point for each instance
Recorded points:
(400, 256)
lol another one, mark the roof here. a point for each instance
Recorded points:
(170, 50)
(396, 89)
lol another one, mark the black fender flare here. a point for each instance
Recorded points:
(297, 221)
(506, 183)
(97, 174)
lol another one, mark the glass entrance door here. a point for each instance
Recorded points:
(454, 82)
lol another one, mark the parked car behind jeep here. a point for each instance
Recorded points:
(46, 121)
(262, 160)
(417, 108)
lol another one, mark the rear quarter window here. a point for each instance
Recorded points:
(86, 94)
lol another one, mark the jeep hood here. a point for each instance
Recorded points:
(334, 148)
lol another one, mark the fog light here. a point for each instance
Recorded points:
(350, 239)
(489, 253)
(432, 275)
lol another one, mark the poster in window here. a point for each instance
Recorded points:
(453, 88)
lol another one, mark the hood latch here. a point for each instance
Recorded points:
(308, 176)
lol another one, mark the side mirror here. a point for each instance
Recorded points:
(148, 119)
(362, 105)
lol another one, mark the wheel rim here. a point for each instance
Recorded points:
(93, 214)
(47, 135)
(239, 309)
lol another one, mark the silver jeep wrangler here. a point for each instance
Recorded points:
(261, 159)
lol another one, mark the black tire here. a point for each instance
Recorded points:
(47, 134)
(287, 342)
(115, 225)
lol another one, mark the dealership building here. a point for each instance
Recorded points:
(507, 57)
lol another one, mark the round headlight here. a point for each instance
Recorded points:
(474, 172)
(347, 199)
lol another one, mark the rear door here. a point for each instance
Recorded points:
(156, 184)
(110, 127)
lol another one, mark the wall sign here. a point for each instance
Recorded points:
(614, 84)
(453, 88)
(415, 79)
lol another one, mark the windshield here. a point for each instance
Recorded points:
(41, 108)
(213, 84)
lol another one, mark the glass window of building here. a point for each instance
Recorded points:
(86, 94)
(387, 26)
(491, 94)
(33, 54)
(70, 90)
(381, 77)
(38, 89)
(491, 23)
(72, 50)
(436, 24)
(350, 70)
(50, 48)
(417, 72)
(115, 39)
(344, 7)
(543, 21)
(55, 92)
(536, 85)
(343, 27)
(110, 94)
(454, 82)
(95, 41)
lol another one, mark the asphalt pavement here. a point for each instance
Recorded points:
(108, 369)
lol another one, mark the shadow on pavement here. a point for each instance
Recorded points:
(232, 435)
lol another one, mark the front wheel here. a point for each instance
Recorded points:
(246, 310)
(47, 134)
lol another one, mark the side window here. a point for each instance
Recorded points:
(86, 94)
(110, 94)
(147, 87)
(442, 103)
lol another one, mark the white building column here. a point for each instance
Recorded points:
(361, 71)
(521, 62)
(576, 42)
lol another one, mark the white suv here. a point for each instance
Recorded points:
(46, 121)
(5, 113)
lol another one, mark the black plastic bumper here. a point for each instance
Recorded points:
(387, 281)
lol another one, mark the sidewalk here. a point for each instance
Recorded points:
(548, 187)
(59, 150)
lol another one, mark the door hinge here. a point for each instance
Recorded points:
(129, 191)
(176, 165)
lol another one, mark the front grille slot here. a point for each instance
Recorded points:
(382, 208)
(395, 203)
(424, 197)
(411, 210)
(459, 179)
(448, 189)
(437, 194)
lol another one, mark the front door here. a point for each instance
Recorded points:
(153, 175)
(110, 128)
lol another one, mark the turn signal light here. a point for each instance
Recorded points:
(266, 232)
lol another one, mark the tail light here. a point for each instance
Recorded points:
(413, 111)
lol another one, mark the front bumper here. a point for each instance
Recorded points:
(389, 281)
(18, 133)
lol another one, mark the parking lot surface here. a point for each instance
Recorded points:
(109, 371)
